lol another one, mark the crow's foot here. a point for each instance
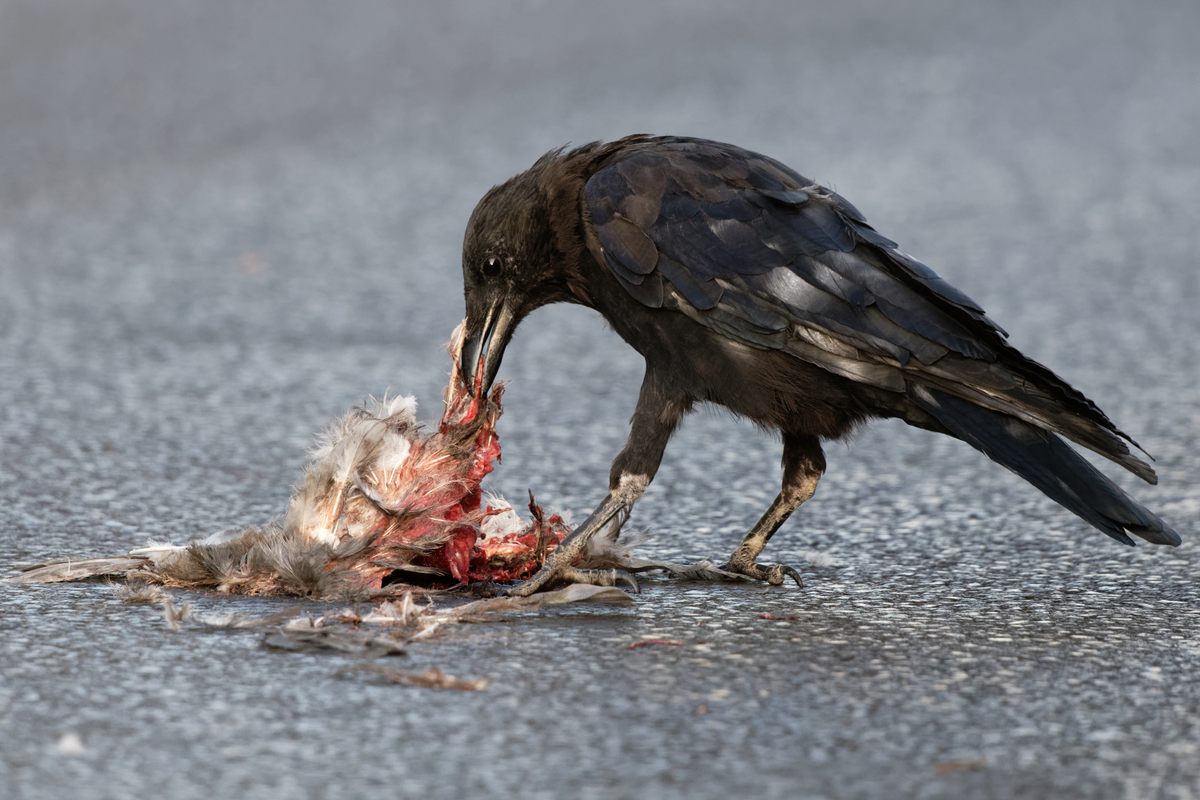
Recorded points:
(699, 571)
(773, 574)
(559, 567)
(708, 571)
(550, 575)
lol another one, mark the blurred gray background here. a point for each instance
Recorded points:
(222, 223)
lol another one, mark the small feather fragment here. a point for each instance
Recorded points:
(653, 643)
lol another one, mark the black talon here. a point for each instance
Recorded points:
(632, 582)
(622, 579)
(792, 573)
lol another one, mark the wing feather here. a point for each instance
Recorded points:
(751, 249)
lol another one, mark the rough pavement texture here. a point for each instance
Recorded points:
(221, 224)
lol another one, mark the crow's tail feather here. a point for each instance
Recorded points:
(1047, 462)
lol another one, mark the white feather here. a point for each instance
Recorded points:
(393, 452)
(398, 410)
(502, 523)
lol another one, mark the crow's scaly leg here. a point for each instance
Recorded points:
(803, 465)
(654, 420)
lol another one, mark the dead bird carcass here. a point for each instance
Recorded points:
(381, 503)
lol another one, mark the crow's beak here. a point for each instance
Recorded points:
(483, 348)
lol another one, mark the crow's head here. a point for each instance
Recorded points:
(511, 266)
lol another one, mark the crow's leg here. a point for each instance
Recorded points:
(656, 417)
(803, 465)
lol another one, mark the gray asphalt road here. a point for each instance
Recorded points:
(222, 223)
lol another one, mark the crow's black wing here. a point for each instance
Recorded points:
(749, 248)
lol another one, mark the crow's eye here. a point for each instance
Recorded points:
(491, 267)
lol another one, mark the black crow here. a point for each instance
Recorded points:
(745, 284)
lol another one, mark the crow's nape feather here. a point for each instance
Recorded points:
(1047, 462)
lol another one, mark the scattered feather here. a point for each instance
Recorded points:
(70, 744)
(432, 678)
(140, 592)
(653, 643)
(175, 614)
